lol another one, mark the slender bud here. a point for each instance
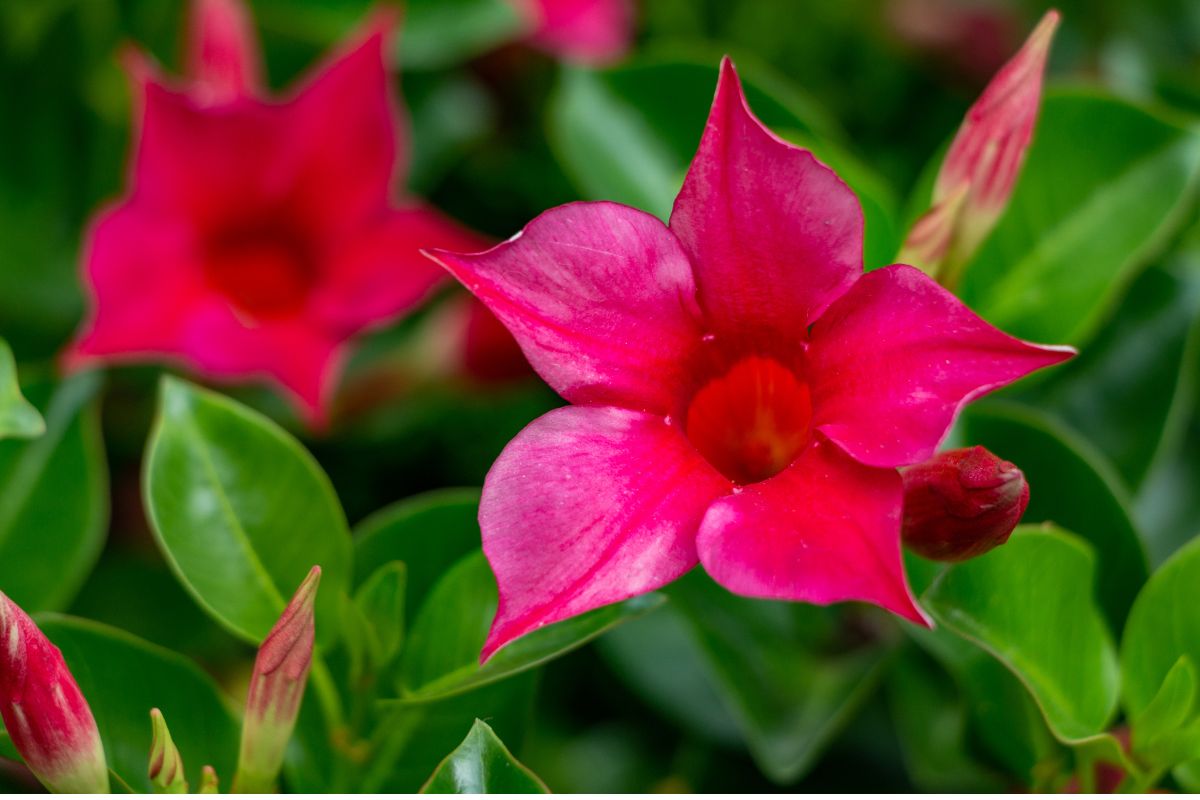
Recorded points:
(209, 783)
(961, 504)
(44, 712)
(982, 165)
(166, 765)
(276, 689)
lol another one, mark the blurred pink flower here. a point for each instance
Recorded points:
(981, 168)
(258, 235)
(44, 712)
(742, 393)
(589, 31)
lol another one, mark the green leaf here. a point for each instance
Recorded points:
(1163, 626)
(242, 512)
(123, 677)
(442, 654)
(441, 32)
(483, 765)
(54, 498)
(775, 667)
(1126, 390)
(381, 601)
(1105, 184)
(1167, 505)
(1167, 732)
(1029, 603)
(429, 532)
(1072, 486)
(18, 419)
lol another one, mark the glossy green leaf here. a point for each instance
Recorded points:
(242, 512)
(1071, 485)
(441, 657)
(380, 600)
(1167, 505)
(428, 532)
(123, 677)
(1126, 390)
(18, 418)
(790, 692)
(1167, 732)
(483, 765)
(1104, 185)
(1030, 604)
(1163, 625)
(54, 498)
(440, 32)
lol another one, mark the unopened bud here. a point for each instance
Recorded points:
(209, 783)
(276, 689)
(982, 165)
(46, 716)
(961, 504)
(166, 765)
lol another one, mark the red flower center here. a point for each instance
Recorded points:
(752, 421)
(265, 273)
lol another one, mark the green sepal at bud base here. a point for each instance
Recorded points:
(44, 711)
(166, 765)
(981, 167)
(276, 690)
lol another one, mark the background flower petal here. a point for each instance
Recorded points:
(897, 356)
(601, 299)
(774, 235)
(589, 506)
(222, 52)
(826, 529)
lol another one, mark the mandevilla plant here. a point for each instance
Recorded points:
(290, 500)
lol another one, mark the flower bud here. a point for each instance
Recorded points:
(166, 765)
(982, 165)
(45, 714)
(276, 689)
(209, 783)
(961, 504)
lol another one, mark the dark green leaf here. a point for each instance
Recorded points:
(789, 695)
(1104, 185)
(441, 657)
(440, 32)
(483, 765)
(242, 512)
(1030, 604)
(18, 419)
(123, 677)
(1168, 505)
(1070, 485)
(381, 601)
(54, 498)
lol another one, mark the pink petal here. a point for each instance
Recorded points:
(379, 272)
(600, 297)
(589, 506)
(774, 235)
(824, 530)
(349, 123)
(223, 60)
(895, 358)
(141, 272)
(590, 31)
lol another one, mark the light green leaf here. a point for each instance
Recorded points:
(1105, 184)
(123, 677)
(381, 601)
(1167, 732)
(242, 512)
(18, 419)
(441, 657)
(483, 765)
(54, 498)
(1071, 485)
(1030, 604)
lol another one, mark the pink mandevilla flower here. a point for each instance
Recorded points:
(258, 235)
(742, 393)
(590, 31)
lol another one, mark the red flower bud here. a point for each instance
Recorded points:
(276, 689)
(961, 504)
(44, 712)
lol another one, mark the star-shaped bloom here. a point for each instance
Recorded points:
(741, 393)
(259, 235)
(588, 31)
